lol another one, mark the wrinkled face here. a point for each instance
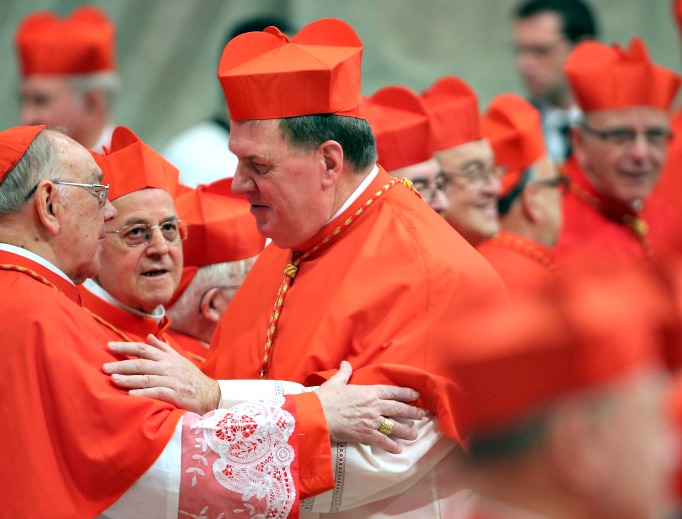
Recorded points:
(424, 177)
(50, 100)
(471, 190)
(641, 451)
(541, 51)
(84, 222)
(145, 276)
(284, 186)
(626, 169)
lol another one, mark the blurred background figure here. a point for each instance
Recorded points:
(68, 76)
(200, 152)
(468, 175)
(530, 199)
(543, 34)
(619, 148)
(564, 402)
(219, 251)
(401, 128)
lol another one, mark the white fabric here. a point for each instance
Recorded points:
(34, 257)
(553, 119)
(104, 139)
(422, 481)
(201, 154)
(356, 194)
(92, 287)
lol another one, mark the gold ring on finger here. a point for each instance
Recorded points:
(386, 427)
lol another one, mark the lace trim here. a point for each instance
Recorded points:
(247, 449)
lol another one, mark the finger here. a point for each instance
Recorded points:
(142, 381)
(159, 344)
(403, 431)
(136, 349)
(404, 394)
(398, 409)
(159, 393)
(133, 367)
(376, 439)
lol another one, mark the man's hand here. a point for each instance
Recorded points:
(162, 373)
(355, 413)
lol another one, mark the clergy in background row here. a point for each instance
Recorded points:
(67, 71)
(530, 199)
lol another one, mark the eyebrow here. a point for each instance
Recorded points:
(139, 219)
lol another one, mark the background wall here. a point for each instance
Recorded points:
(168, 49)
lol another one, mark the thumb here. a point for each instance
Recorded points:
(343, 375)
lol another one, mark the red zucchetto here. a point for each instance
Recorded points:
(13, 144)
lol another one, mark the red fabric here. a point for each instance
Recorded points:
(266, 75)
(669, 185)
(601, 234)
(135, 327)
(604, 77)
(188, 274)
(196, 349)
(513, 128)
(374, 296)
(523, 265)
(66, 454)
(130, 165)
(453, 111)
(400, 124)
(82, 43)
(222, 228)
(13, 144)
(675, 407)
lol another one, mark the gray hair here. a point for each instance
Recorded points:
(106, 82)
(355, 136)
(184, 311)
(34, 166)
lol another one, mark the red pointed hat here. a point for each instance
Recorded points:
(453, 111)
(677, 15)
(266, 75)
(82, 43)
(13, 144)
(513, 128)
(130, 165)
(605, 77)
(222, 227)
(593, 328)
(400, 124)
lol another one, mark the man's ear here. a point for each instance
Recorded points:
(48, 206)
(332, 161)
(530, 201)
(213, 305)
(93, 101)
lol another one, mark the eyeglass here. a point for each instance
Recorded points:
(560, 181)
(539, 50)
(656, 136)
(428, 189)
(100, 190)
(475, 178)
(136, 234)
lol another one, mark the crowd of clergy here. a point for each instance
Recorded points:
(513, 271)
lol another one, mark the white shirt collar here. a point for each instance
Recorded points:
(356, 194)
(34, 257)
(94, 288)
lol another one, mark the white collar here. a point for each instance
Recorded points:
(96, 289)
(356, 194)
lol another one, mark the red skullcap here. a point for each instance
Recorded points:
(13, 144)
(130, 165)
(400, 124)
(606, 77)
(266, 75)
(453, 111)
(513, 128)
(82, 43)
